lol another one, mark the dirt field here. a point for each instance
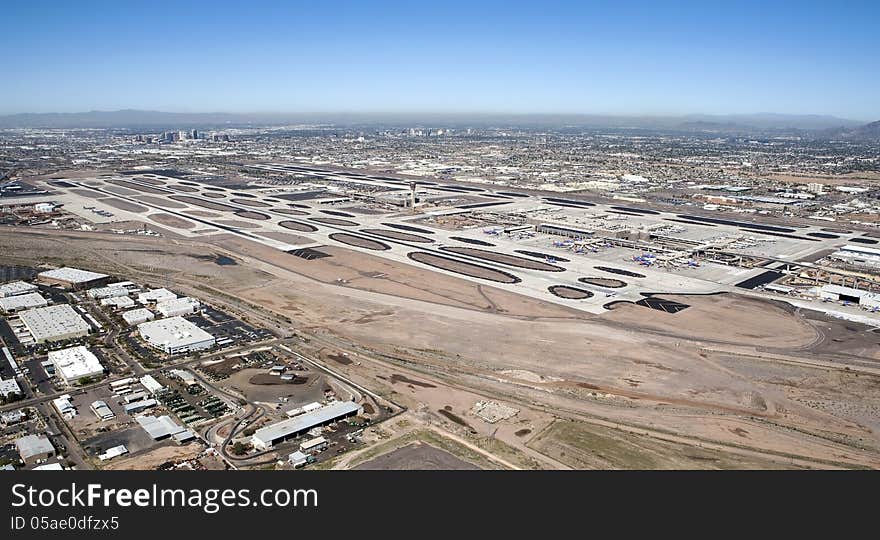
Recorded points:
(213, 195)
(571, 293)
(248, 202)
(603, 282)
(290, 212)
(417, 457)
(236, 223)
(296, 226)
(202, 213)
(359, 241)
(503, 258)
(251, 215)
(171, 221)
(729, 370)
(152, 459)
(125, 205)
(164, 203)
(334, 221)
(136, 187)
(730, 318)
(582, 446)
(464, 268)
(395, 235)
(204, 204)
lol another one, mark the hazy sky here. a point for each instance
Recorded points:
(446, 56)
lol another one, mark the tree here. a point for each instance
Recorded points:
(238, 448)
(82, 381)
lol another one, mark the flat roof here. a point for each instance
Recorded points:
(22, 301)
(72, 275)
(9, 386)
(48, 322)
(138, 315)
(159, 427)
(306, 421)
(860, 249)
(33, 445)
(173, 332)
(846, 291)
(16, 287)
(75, 362)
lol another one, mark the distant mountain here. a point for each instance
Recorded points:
(868, 131)
(133, 119)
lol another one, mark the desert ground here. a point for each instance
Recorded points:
(730, 382)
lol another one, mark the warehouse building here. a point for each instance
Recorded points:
(118, 302)
(101, 410)
(175, 335)
(178, 306)
(162, 427)
(138, 316)
(265, 438)
(75, 363)
(34, 448)
(110, 291)
(9, 387)
(11, 304)
(64, 406)
(857, 256)
(73, 278)
(155, 296)
(54, 323)
(16, 288)
(151, 384)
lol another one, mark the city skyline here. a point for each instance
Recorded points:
(562, 58)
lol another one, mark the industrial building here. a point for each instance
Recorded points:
(64, 406)
(16, 288)
(265, 438)
(162, 427)
(110, 291)
(75, 363)
(54, 323)
(155, 296)
(548, 228)
(175, 335)
(857, 255)
(73, 278)
(34, 448)
(138, 316)
(137, 406)
(101, 410)
(865, 299)
(151, 384)
(298, 459)
(9, 387)
(118, 302)
(178, 306)
(11, 304)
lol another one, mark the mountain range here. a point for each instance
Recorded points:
(820, 125)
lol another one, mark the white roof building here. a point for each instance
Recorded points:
(15, 288)
(118, 302)
(22, 301)
(73, 276)
(151, 384)
(54, 323)
(110, 291)
(160, 427)
(178, 306)
(8, 387)
(138, 316)
(64, 406)
(34, 446)
(74, 363)
(265, 438)
(155, 295)
(175, 335)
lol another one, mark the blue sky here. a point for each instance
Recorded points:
(637, 57)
